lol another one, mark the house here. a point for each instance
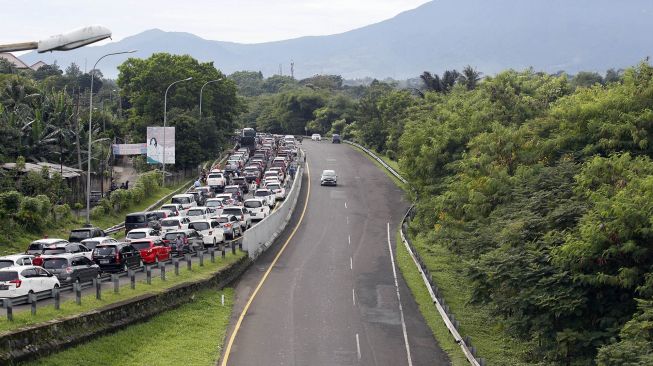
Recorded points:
(18, 64)
(38, 65)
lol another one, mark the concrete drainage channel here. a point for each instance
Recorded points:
(45, 338)
(447, 316)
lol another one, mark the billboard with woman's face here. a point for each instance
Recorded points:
(160, 140)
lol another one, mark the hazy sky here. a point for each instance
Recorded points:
(246, 21)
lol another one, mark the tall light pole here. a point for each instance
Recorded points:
(165, 123)
(201, 90)
(90, 131)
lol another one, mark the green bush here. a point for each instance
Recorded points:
(33, 214)
(10, 202)
(62, 212)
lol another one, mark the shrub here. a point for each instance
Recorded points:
(10, 202)
(62, 212)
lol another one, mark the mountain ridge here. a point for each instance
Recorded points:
(548, 35)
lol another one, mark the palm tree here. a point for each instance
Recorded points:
(432, 82)
(470, 77)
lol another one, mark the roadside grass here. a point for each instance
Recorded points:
(192, 334)
(487, 332)
(89, 302)
(397, 182)
(426, 307)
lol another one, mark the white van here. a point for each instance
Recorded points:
(185, 200)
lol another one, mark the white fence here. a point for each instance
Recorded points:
(259, 237)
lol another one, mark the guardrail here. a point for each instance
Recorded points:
(447, 316)
(35, 297)
(121, 226)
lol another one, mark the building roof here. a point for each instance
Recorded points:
(65, 171)
(14, 60)
(38, 65)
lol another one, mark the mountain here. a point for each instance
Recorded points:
(548, 35)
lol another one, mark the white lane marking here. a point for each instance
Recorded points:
(351, 263)
(349, 239)
(358, 347)
(353, 296)
(401, 310)
(345, 204)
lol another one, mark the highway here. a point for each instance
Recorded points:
(331, 296)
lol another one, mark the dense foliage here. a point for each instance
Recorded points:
(541, 184)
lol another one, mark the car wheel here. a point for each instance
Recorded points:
(214, 242)
(77, 280)
(140, 263)
(56, 285)
(156, 259)
(125, 268)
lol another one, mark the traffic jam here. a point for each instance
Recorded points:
(222, 205)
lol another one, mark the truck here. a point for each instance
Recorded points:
(248, 139)
(216, 180)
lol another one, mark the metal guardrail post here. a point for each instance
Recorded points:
(78, 293)
(212, 253)
(10, 309)
(97, 284)
(116, 283)
(223, 251)
(132, 278)
(233, 248)
(162, 270)
(57, 298)
(189, 263)
(32, 301)
(200, 254)
(175, 261)
(148, 275)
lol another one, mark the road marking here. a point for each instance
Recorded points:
(353, 296)
(349, 239)
(345, 204)
(351, 263)
(401, 310)
(358, 347)
(227, 351)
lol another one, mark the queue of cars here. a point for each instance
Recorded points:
(247, 190)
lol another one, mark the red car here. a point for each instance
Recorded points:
(152, 251)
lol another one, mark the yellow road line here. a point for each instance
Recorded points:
(227, 351)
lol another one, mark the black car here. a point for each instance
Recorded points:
(140, 220)
(335, 139)
(71, 268)
(200, 199)
(116, 257)
(242, 183)
(78, 235)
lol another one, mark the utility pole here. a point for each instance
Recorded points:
(281, 69)
(292, 69)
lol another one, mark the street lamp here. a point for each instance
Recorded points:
(90, 130)
(165, 122)
(201, 90)
(62, 42)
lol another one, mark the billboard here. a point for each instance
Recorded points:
(129, 149)
(157, 143)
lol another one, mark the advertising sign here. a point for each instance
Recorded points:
(160, 139)
(129, 149)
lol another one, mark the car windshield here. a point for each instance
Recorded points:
(91, 244)
(199, 226)
(6, 263)
(160, 214)
(195, 213)
(34, 246)
(80, 234)
(261, 193)
(231, 189)
(172, 208)
(168, 223)
(213, 203)
(108, 250)
(232, 211)
(181, 200)
(328, 173)
(136, 235)
(274, 186)
(50, 251)
(135, 219)
(252, 204)
(141, 245)
(55, 263)
(173, 236)
(8, 275)
(222, 220)
(213, 176)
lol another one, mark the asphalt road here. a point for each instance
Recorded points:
(331, 297)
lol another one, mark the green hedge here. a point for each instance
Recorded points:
(145, 187)
(33, 214)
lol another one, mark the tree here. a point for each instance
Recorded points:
(250, 83)
(46, 71)
(431, 82)
(585, 79)
(470, 77)
(6, 67)
(73, 71)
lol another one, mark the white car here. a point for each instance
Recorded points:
(174, 223)
(242, 214)
(215, 203)
(144, 233)
(19, 281)
(91, 243)
(273, 174)
(211, 232)
(15, 260)
(266, 194)
(201, 213)
(257, 208)
(277, 188)
(174, 209)
(316, 137)
(216, 179)
(185, 200)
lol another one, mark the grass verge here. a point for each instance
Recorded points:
(397, 182)
(192, 334)
(89, 302)
(430, 313)
(487, 332)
